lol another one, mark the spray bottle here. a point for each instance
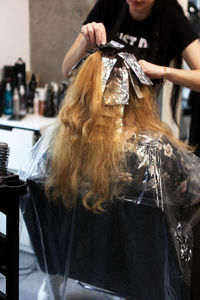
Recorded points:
(22, 101)
(16, 102)
(8, 100)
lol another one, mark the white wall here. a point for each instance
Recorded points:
(14, 32)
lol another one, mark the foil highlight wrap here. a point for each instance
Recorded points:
(122, 65)
(115, 45)
(134, 83)
(121, 68)
(135, 67)
(78, 64)
(117, 87)
(108, 64)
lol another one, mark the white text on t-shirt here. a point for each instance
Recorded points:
(132, 40)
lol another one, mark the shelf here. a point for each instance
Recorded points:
(29, 122)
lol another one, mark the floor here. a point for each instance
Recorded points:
(31, 278)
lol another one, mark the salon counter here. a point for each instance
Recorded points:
(29, 122)
(20, 137)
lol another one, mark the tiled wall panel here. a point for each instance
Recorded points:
(54, 24)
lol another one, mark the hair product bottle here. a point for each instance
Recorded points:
(22, 101)
(42, 99)
(31, 89)
(16, 102)
(56, 96)
(49, 107)
(8, 100)
(20, 72)
(36, 104)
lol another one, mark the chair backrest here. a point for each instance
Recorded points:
(127, 250)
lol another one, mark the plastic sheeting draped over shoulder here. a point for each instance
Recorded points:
(141, 248)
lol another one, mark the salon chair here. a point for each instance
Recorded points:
(127, 251)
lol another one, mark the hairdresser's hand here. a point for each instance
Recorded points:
(151, 70)
(94, 33)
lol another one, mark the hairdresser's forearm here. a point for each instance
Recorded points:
(74, 54)
(186, 78)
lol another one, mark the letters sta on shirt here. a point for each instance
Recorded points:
(133, 41)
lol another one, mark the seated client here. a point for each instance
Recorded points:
(113, 194)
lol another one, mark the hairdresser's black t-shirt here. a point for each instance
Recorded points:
(177, 33)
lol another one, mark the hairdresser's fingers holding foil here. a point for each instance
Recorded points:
(94, 33)
(151, 70)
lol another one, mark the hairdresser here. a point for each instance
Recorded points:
(156, 30)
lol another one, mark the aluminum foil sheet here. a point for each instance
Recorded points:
(134, 65)
(116, 45)
(134, 83)
(108, 64)
(77, 65)
(117, 79)
(127, 69)
(117, 87)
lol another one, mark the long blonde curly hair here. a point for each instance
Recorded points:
(88, 151)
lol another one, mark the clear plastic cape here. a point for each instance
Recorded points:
(140, 248)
